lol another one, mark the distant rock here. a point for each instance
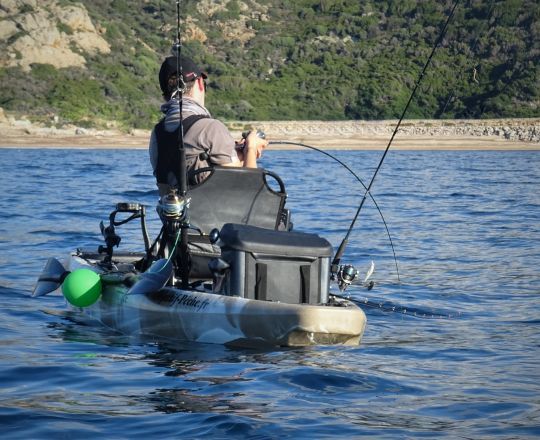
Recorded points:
(235, 29)
(47, 33)
(7, 29)
(194, 32)
(22, 123)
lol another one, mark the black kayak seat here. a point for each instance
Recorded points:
(236, 195)
(230, 195)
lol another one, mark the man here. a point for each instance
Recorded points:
(207, 141)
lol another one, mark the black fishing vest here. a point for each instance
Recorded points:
(167, 145)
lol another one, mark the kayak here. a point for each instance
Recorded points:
(251, 280)
(202, 316)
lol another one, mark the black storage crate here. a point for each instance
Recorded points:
(290, 267)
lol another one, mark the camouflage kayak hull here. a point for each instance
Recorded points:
(189, 315)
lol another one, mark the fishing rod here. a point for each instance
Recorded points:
(343, 164)
(180, 87)
(337, 258)
(181, 174)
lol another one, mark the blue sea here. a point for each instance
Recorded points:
(451, 349)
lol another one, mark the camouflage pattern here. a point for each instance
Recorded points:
(201, 316)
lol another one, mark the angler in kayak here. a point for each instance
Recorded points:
(207, 141)
(221, 269)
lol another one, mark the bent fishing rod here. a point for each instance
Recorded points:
(343, 164)
(343, 245)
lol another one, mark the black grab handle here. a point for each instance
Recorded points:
(193, 173)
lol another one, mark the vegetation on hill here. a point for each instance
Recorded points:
(301, 59)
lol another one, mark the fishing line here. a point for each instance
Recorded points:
(343, 164)
(341, 249)
(174, 247)
(390, 307)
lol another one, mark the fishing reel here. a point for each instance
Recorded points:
(345, 276)
(260, 134)
(172, 210)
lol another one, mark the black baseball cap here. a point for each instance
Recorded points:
(190, 71)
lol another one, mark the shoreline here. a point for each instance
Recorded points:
(503, 134)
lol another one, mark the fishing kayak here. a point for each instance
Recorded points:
(245, 277)
(203, 316)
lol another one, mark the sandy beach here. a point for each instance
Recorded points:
(507, 134)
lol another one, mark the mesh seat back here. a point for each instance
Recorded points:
(236, 195)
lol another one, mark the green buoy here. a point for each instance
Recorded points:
(82, 287)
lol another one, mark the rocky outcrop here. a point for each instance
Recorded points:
(47, 32)
(235, 29)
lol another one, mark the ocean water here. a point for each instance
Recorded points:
(450, 351)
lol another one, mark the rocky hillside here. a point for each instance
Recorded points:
(47, 32)
(94, 63)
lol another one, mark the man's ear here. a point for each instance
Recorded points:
(200, 83)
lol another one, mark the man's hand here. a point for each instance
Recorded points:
(256, 143)
(251, 148)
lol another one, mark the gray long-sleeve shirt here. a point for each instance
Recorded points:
(206, 134)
